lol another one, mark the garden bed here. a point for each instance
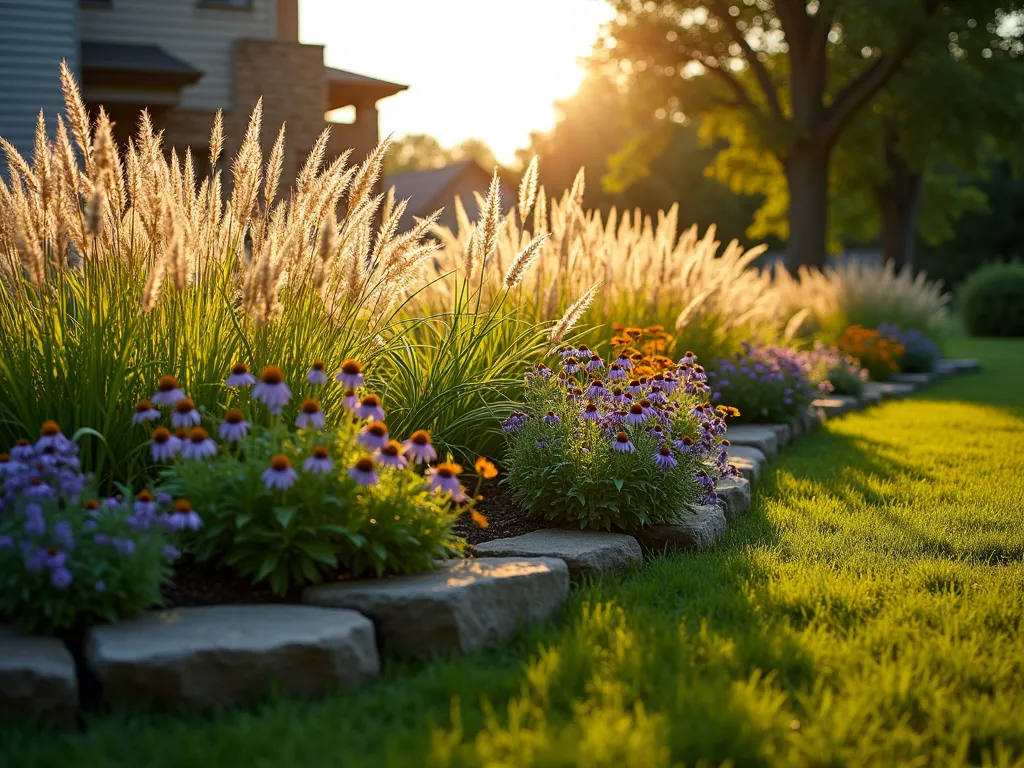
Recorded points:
(214, 615)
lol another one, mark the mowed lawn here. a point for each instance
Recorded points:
(870, 610)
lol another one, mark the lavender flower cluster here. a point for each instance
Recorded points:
(670, 409)
(766, 383)
(841, 371)
(920, 353)
(74, 552)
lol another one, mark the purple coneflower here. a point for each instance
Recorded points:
(317, 374)
(279, 475)
(657, 394)
(310, 416)
(351, 400)
(637, 414)
(567, 352)
(444, 478)
(419, 448)
(684, 444)
(551, 418)
(199, 445)
(144, 505)
(688, 359)
(596, 363)
(320, 463)
(50, 437)
(648, 408)
(185, 414)
(240, 376)
(271, 389)
(184, 517)
(623, 361)
(543, 371)
(144, 411)
(622, 443)
(670, 383)
(38, 489)
(351, 374)
(616, 372)
(373, 436)
(370, 408)
(60, 578)
(167, 392)
(571, 365)
(542, 443)
(364, 471)
(664, 459)
(391, 455)
(596, 389)
(22, 450)
(514, 422)
(591, 412)
(234, 427)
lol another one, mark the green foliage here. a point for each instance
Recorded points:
(324, 522)
(564, 468)
(992, 300)
(420, 152)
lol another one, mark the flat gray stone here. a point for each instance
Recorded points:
(920, 379)
(836, 405)
(869, 397)
(945, 369)
(37, 677)
(890, 389)
(965, 365)
(464, 605)
(749, 461)
(587, 553)
(226, 653)
(757, 436)
(734, 493)
(783, 433)
(697, 530)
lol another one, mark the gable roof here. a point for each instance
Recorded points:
(347, 88)
(433, 188)
(126, 62)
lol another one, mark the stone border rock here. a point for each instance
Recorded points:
(221, 654)
(586, 553)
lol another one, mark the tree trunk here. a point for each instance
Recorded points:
(807, 179)
(899, 203)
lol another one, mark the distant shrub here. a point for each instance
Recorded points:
(766, 383)
(67, 558)
(992, 300)
(843, 372)
(617, 449)
(878, 354)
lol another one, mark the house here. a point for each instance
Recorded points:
(436, 188)
(182, 60)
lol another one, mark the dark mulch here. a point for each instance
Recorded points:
(505, 518)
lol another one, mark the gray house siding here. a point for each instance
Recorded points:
(34, 36)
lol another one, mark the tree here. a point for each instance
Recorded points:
(759, 74)
(420, 152)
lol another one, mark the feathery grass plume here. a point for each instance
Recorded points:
(216, 138)
(17, 164)
(78, 116)
(153, 287)
(27, 243)
(308, 173)
(102, 176)
(492, 219)
(521, 263)
(247, 168)
(573, 314)
(528, 190)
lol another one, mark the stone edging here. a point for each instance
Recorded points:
(201, 657)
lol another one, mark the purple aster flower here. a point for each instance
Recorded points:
(185, 414)
(100, 587)
(240, 376)
(35, 562)
(351, 374)
(63, 535)
(320, 463)
(100, 540)
(199, 445)
(622, 443)
(234, 427)
(144, 411)
(6, 543)
(170, 553)
(60, 578)
(310, 416)
(370, 408)
(271, 390)
(279, 475)
(419, 448)
(317, 374)
(391, 455)
(123, 547)
(364, 472)
(167, 392)
(664, 459)
(514, 422)
(373, 436)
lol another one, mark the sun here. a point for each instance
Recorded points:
(487, 70)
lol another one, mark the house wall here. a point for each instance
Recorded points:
(34, 36)
(200, 33)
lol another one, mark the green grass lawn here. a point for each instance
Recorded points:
(870, 610)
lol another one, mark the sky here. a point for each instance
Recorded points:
(475, 68)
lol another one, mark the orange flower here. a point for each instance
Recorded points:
(478, 518)
(486, 470)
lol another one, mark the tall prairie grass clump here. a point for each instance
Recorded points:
(650, 272)
(117, 265)
(862, 294)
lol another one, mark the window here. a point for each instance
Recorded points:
(242, 5)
